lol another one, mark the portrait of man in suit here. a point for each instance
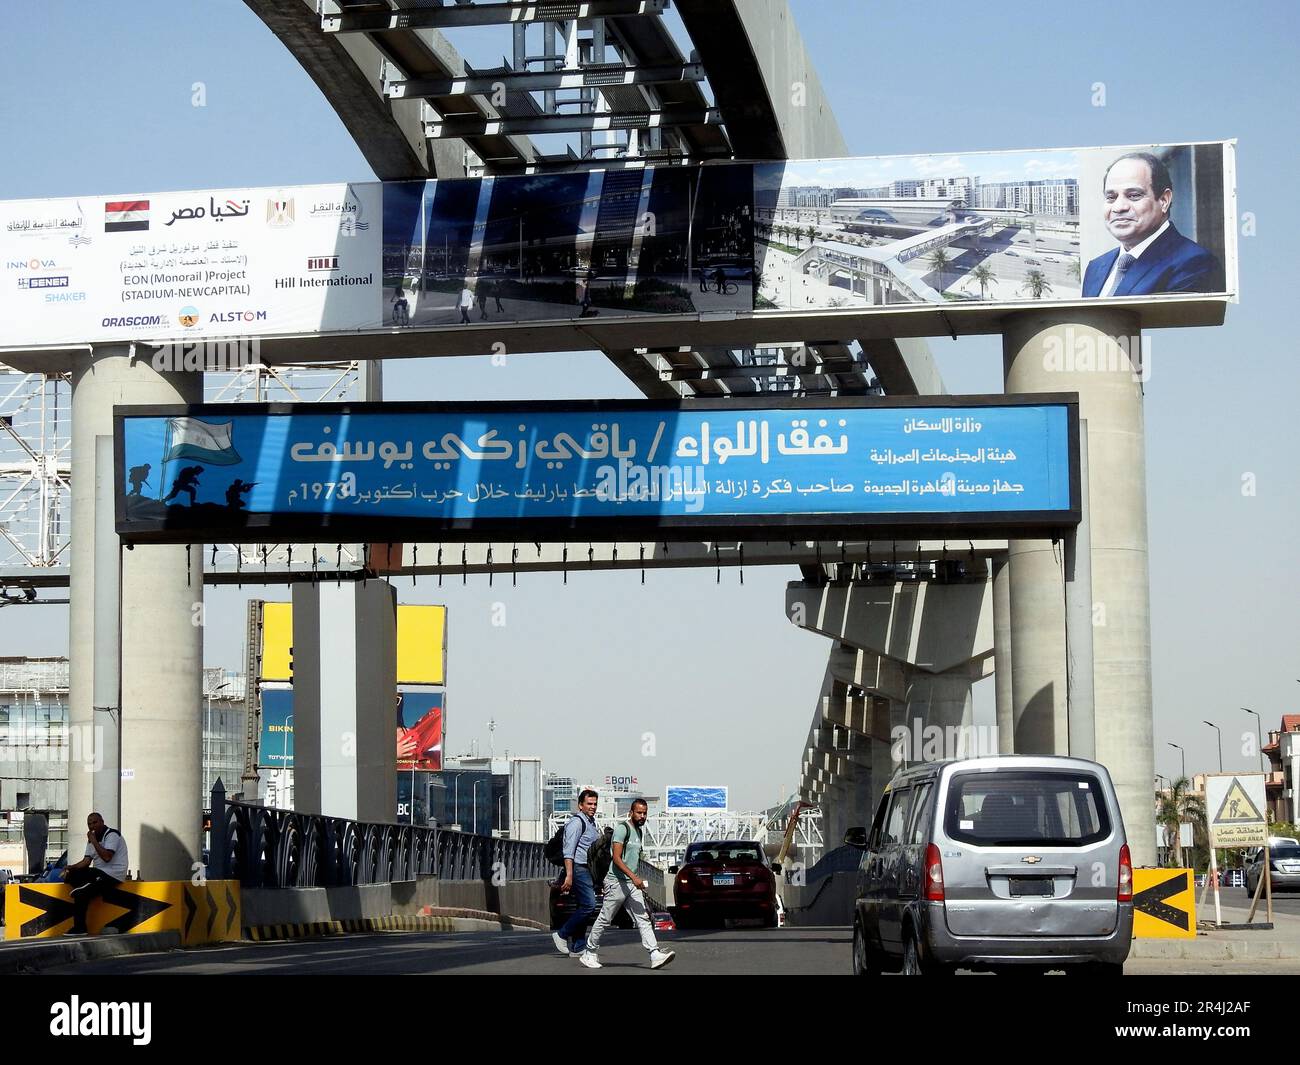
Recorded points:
(1152, 255)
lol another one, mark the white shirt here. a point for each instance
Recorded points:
(466, 298)
(1136, 251)
(116, 867)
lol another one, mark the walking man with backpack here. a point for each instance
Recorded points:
(623, 887)
(579, 834)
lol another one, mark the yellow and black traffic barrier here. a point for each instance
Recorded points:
(202, 913)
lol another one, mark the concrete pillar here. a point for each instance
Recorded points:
(1076, 351)
(156, 695)
(345, 700)
(835, 812)
(935, 704)
(1002, 654)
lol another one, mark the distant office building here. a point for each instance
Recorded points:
(559, 794)
(486, 796)
(224, 735)
(34, 750)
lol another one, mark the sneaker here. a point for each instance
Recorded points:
(660, 958)
(76, 932)
(590, 960)
(561, 944)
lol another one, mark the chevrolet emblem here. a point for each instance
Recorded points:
(1031, 860)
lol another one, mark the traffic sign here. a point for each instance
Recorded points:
(1236, 805)
(1164, 905)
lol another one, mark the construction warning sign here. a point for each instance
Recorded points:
(202, 913)
(1236, 808)
(1164, 904)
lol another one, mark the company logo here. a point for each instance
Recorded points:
(279, 213)
(620, 783)
(30, 264)
(75, 1018)
(227, 317)
(42, 282)
(77, 240)
(1031, 859)
(189, 317)
(126, 216)
(323, 262)
(132, 321)
(347, 211)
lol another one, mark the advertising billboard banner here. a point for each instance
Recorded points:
(959, 230)
(421, 643)
(966, 228)
(275, 750)
(695, 797)
(393, 471)
(191, 265)
(419, 730)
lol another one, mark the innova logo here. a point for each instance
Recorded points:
(30, 264)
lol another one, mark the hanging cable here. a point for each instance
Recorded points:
(742, 562)
(643, 563)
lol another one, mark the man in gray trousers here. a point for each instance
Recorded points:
(624, 888)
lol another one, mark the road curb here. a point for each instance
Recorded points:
(450, 920)
(19, 957)
(1214, 948)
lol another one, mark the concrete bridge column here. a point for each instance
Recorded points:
(1081, 350)
(135, 639)
(1002, 655)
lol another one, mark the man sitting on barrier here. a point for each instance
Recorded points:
(103, 867)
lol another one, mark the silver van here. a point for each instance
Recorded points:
(993, 863)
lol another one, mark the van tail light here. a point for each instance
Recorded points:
(933, 874)
(1125, 875)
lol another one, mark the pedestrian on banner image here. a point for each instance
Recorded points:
(623, 887)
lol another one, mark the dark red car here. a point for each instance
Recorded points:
(724, 879)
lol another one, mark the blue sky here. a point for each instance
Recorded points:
(97, 99)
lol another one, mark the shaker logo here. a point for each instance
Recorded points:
(77, 1018)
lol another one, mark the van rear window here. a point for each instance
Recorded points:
(1040, 807)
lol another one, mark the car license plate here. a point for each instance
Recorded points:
(724, 880)
(1030, 886)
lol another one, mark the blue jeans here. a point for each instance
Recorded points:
(584, 894)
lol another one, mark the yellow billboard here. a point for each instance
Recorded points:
(421, 643)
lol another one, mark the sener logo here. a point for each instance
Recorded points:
(77, 1018)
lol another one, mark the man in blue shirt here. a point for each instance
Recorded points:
(579, 834)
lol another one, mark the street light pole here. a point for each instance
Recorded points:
(474, 803)
(1259, 737)
(1184, 756)
(1219, 733)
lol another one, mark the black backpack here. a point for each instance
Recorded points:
(554, 849)
(600, 856)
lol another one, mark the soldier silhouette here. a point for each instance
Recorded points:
(236, 492)
(186, 481)
(139, 477)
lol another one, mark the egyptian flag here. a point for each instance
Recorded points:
(124, 216)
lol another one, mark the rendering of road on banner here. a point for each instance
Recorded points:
(1235, 802)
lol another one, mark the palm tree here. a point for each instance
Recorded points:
(1177, 805)
(1036, 284)
(1074, 270)
(940, 261)
(985, 277)
(812, 236)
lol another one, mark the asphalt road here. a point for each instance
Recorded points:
(747, 951)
